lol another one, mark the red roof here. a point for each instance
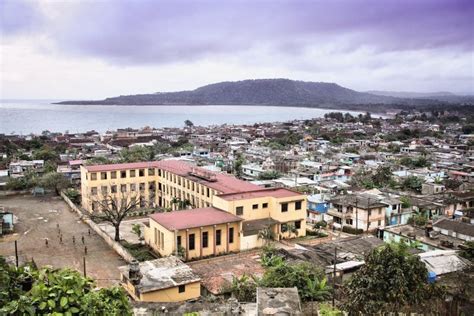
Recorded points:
(197, 217)
(223, 183)
(271, 192)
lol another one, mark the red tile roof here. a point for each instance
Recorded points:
(224, 183)
(197, 217)
(271, 192)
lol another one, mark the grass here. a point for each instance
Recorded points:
(139, 252)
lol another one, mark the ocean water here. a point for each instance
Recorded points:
(35, 116)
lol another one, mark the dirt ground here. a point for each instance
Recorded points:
(38, 220)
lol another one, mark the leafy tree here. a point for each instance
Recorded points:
(406, 203)
(391, 280)
(266, 234)
(48, 291)
(188, 123)
(22, 183)
(244, 289)
(382, 176)
(137, 230)
(467, 250)
(317, 290)
(136, 154)
(239, 161)
(412, 183)
(74, 195)
(98, 161)
(54, 181)
(269, 175)
(114, 209)
(46, 153)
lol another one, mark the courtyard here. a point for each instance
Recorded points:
(48, 232)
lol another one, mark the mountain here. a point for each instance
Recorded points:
(252, 92)
(442, 96)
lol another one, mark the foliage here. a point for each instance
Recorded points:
(137, 230)
(352, 230)
(54, 181)
(188, 123)
(269, 175)
(412, 183)
(452, 184)
(244, 289)
(419, 162)
(51, 291)
(320, 224)
(418, 219)
(269, 256)
(22, 183)
(382, 177)
(467, 250)
(138, 251)
(97, 161)
(238, 162)
(266, 234)
(328, 310)
(181, 204)
(391, 280)
(74, 195)
(136, 154)
(406, 203)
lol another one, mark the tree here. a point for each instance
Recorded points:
(238, 162)
(188, 123)
(137, 230)
(74, 195)
(266, 234)
(244, 289)
(136, 154)
(269, 175)
(382, 176)
(317, 290)
(55, 181)
(412, 183)
(114, 208)
(51, 291)
(391, 280)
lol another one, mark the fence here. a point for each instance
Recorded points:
(117, 247)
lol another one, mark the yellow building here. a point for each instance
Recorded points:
(161, 280)
(227, 213)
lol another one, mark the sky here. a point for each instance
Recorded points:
(95, 49)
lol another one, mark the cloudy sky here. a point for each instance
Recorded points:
(95, 49)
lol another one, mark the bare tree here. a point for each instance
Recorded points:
(114, 208)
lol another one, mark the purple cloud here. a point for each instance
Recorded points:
(19, 16)
(157, 32)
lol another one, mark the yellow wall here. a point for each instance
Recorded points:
(192, 291)
(168, 246)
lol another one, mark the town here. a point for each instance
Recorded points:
(295, 217)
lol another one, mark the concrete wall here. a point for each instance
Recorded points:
(117, 247)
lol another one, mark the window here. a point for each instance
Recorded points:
(380, 211)
(297, 224)
(103, 175)
(255, 206)
(159, 172)
(298, 205)
(239, 210)
(231, 235)
(218, 237)
(284, 228)
(142, 187)
(156, 236)
(191, 242)
(133, 187)
(264, 205)
(162, 240)
(205, 239)
(394, 206)
(369, 212)
(123, 188)
(208, 192)
(151, 171)
(113, 175)
(379, 222)
(113, 189)
(94, 191)
(103, 189)
(349, 221)
(123, 174)
(284, 207)
(179, 242)
(141, 172)
(93, 176)
(132, 173)
(181, 288)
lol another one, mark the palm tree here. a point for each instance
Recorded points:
(292, 229)
(317, 290)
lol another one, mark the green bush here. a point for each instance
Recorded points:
(352, 230)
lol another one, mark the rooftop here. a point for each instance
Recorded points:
(278, 301)
(458, 227)
(162, 274)
(220, 182)
(254, 194)
(197, 217)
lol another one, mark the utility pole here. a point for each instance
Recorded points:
(334, 277)
(16, 253)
